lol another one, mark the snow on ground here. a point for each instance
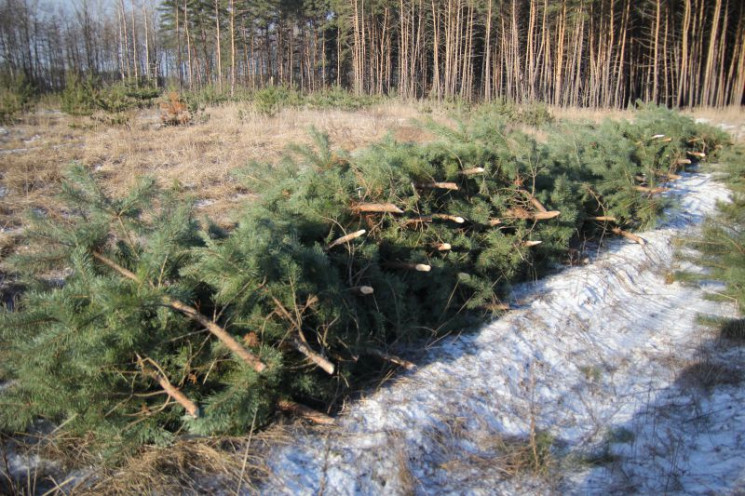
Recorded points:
(604, 360)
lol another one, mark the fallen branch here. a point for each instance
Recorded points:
(531, 243)
(381, 208)
(172, 391)
(221, 334)
(305, 412)
(682, 161)
(698, 155)
(429, 218)
(344, 239)
(534, 201)
(630, 236)
(391, 358)
(314, 357)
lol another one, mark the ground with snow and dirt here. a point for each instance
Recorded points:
(602, 381)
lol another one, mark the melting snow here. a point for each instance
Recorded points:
(597, 356)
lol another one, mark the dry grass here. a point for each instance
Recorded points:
(198, 158)
(706, 375)
(188, 466)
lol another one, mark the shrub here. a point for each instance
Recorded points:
(174, 111)
(272, 99)
(79, 96)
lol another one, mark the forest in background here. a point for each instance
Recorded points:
(603, 53)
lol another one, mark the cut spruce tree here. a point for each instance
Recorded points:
(139, 323)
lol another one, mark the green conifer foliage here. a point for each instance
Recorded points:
(162, 326)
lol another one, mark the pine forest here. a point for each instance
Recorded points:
(603, 53)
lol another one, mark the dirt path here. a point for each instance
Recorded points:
(602, 382)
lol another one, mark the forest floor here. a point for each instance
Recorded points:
(601, 381)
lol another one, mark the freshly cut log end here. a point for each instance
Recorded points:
(381, 208)
(452, 218)
(496, 307)
(651, 191)
(392, 358)
(604, 218)
(531, 243)
(304, 412)
(363, 290)
(630, 236)
(472, 171)
(420, 267)
(345, 239)
(437, 185)
(443, 247)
